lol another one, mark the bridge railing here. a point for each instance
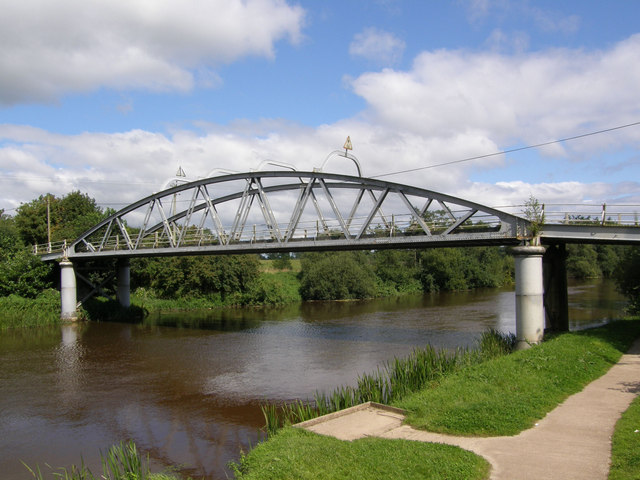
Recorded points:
(584, 213)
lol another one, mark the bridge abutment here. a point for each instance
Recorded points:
(530, 316)
(556, 297)
(68, 296)
(124, 282)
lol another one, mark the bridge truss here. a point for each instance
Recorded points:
(286, 211)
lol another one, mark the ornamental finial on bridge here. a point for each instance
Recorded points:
(347, 145)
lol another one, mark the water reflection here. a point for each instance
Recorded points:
(187, 387)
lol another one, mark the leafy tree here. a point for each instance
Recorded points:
(465, 268)
(582, 261)
(69, 216)
(337, 276)
(9, 237)
(21, 273)
(201, 276)
(398, 269)
(627, 277)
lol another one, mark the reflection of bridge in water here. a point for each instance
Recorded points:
(294, 211)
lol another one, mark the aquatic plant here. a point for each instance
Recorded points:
(121, 462)
(394, 380)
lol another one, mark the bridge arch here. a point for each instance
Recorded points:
(266, 211)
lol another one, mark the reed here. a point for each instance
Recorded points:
(394, 380)
(121, 462)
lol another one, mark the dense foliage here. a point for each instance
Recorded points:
(217, 277)
(465, 268)
(593, 261)
(337, 276)
(628, 279)
(21, 273)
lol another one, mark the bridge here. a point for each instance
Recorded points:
(286, 210)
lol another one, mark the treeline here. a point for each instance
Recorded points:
(239, 279)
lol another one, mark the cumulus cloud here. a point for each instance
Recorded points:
(376, 45)
(526, 97)
(51, 48)
(450, 105)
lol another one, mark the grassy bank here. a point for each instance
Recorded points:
(295, 453)
(508, 394)
(18, 312)
(498, 397)
(625, 454)
(393, 381)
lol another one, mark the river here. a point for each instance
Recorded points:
(187, 387)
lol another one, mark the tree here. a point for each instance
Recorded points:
(337, 276)
(465, 268)
(534, 212)
(397, 269)
(64, 218)
(627, 278)
(201, 276)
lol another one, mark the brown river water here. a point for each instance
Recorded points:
(187, 387)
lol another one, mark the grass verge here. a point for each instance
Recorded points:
(625, 449)
(17, 312)
(508, 394)
(296, 453)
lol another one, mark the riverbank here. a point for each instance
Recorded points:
(539, 378)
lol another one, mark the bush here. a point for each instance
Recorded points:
(627, 278)
(337, 276)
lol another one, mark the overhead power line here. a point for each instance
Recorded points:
(512, 150)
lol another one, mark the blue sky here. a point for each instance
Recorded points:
(110, 97)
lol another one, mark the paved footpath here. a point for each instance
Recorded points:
(572, 442)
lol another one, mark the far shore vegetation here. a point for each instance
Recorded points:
(27, 285)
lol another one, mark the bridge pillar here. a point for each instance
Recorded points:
(123, 292)
(556, 297)
(529, 295)
(68, 298)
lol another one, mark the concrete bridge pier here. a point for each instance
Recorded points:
(530, 317)
(68, 297)
(124, 282)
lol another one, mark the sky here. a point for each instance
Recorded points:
(111, 97)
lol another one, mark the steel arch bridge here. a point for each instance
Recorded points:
(288, 211)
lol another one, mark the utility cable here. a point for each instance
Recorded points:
(512, 150)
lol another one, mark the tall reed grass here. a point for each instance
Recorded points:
(121, 462)
(395, 379)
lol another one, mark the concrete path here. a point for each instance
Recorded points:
(572, 442)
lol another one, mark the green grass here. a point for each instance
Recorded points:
(625, 449)
(19, 312)
(295, 453)
(509, 394)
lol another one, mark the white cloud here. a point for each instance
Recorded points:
(51, 48)
(525, 98)
(449, 106)
(376, 45)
